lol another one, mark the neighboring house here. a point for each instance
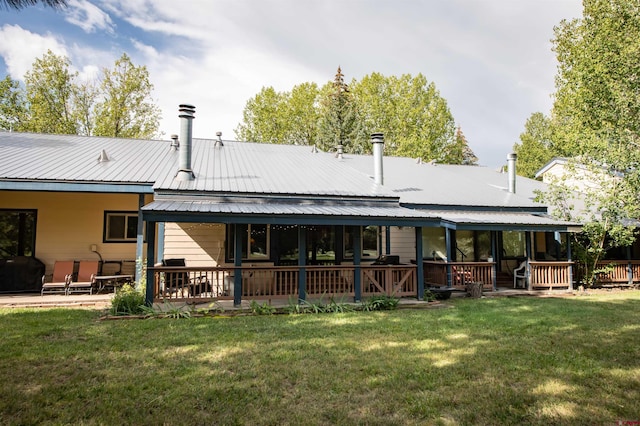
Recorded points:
(240, 214)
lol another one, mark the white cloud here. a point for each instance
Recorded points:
(88, 17)
(19, 48)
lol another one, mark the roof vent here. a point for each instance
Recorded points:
(174, 143)
(103, 158)
(339, 152)
(419, 160)
(219, 140)
(186, 129)
(314, 149)
(377, 139)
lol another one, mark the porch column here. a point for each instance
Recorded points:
(629, 267)
(357, 258)
(527, 246)
(569, 260)
(139, 239)
(160, 240)
(387, 239)
(302, 261)
(494, 256)
(447, 238)
(150, 278)
(419, 263)
(237, 262)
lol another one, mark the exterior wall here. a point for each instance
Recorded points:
(68, 223)
(579, 178)
(403, 243)
(200, 244)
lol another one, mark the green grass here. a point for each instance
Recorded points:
(489, 361)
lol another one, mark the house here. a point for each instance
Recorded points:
(241, 220)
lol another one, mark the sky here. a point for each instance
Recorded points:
(491, 60)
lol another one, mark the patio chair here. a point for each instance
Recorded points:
(521, 273)
(62, 272)
(87, 272)
(181, 283)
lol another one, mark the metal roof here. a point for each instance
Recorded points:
(283, 212)
(30, 157)
(501, 220)
(245, 167)
(422, 183)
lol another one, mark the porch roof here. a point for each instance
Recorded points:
(352, 212)
(503, 221)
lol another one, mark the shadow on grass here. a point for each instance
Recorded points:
(488, 361)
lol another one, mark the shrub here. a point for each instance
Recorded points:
(381, 303)
(127, 301)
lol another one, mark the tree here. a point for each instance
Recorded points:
(21, 4)
(466, 153)
(303, 114)
(12, 105)
(595, 121)
(49, 93)
(535, 148)
(414, 118)
(597, 100)
(264, 118)
(126, 110)
(54, 101)
(338, 124)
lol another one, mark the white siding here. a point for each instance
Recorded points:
(201, 244)
(403, 243)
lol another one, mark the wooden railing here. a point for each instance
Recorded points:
(277, 282)
(462, 273)
(550, 274)
(617, 271)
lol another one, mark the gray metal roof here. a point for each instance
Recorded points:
(71, 158)
(244, 167)
(449, 185)
(461, 217)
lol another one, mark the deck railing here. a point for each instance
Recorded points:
(462, 273)
(617, 271)
(550, 274)
(281, 282)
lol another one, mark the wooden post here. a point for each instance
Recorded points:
(419, 263)
(302, 261)
(357, 258)
(151, 275)
(237, 262)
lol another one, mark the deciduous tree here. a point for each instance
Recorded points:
(126, 109)
(536, 147)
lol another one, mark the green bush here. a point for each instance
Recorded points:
(381, 303)
(127, 301)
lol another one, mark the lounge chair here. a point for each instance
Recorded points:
(87, 271)
(62, 272)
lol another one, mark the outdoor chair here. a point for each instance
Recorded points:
(521, 273)
(87, 272)
(62, 273)
(180, 283)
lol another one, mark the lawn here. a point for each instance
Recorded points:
(534, 361)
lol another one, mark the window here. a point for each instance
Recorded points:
(17, 233)
(255, 241)
(370, 236)
(513, 244)
(120, 227)
(434, 245)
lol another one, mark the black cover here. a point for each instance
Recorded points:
(21, 274)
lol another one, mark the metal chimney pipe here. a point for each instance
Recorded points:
(186, 139)
(377, 139)
(339, 152)
(511, 168)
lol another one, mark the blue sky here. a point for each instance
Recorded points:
(490, 59)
